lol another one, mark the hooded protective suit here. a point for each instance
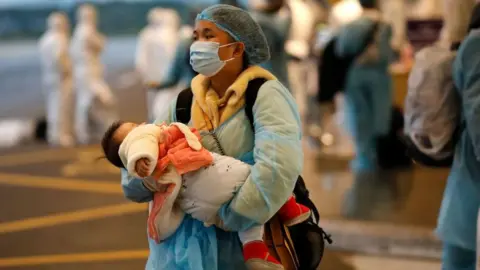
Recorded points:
(57, 80)
(155, 55)
(156, 45)
(95, 101)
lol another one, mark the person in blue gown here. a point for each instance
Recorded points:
(229, 45)
(368, 90)
(457, 221)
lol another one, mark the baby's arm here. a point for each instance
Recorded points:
(142, 152)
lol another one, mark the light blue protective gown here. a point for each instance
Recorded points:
(457, 222)
(368, 91)
(278, 160)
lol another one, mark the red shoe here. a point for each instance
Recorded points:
(257, 257)
(293, 213)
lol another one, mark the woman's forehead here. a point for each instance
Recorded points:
(203, 26)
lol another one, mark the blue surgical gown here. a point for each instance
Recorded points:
(457, 222)
(368, 90)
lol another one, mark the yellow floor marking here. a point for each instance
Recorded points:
(43, 155)
(60, 183)
(87, 162)
(71, 217)
(74, 258)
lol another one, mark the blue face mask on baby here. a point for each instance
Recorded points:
(204, 57)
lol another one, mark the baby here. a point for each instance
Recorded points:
(173, 163)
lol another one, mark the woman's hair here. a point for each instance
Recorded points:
(110, 146)
(246, 64)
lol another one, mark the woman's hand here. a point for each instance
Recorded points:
(142, 167)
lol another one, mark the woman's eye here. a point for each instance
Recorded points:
(209, 37)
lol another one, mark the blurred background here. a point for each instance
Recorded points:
(64, 208)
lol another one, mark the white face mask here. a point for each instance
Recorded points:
(204, 57)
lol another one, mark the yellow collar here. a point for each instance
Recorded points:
(209, 104)
(201, 87)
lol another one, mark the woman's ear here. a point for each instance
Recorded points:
(239, 49)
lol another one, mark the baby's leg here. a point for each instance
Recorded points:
(293, 213)
(251, 235)
(255, 251)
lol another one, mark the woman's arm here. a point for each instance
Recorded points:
(134, 188)
(278, 159)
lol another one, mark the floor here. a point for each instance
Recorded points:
(65, 216)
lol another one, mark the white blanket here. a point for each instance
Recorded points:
(206, 190)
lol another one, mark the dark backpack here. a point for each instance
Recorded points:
(307, 237)
(333, 69)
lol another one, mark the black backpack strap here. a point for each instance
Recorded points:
(184, 106)
(185, 99)
(250, 98)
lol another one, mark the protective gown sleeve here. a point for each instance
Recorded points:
(467, 78)
(133, 188)
(278, 157)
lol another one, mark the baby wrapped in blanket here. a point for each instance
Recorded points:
(174, 165)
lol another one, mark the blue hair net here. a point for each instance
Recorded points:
(241, 27)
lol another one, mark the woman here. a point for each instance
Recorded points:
(228, 46)
(461, 200)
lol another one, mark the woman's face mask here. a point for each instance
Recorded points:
(204, 57)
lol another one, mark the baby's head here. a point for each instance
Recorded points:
(113, 138)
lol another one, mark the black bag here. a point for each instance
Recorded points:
(308, 238)
(333, 69)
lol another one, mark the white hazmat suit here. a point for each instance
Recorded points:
(157, 45)
(154, 49)
(57, 80)
(302, 70)
(95, 101)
